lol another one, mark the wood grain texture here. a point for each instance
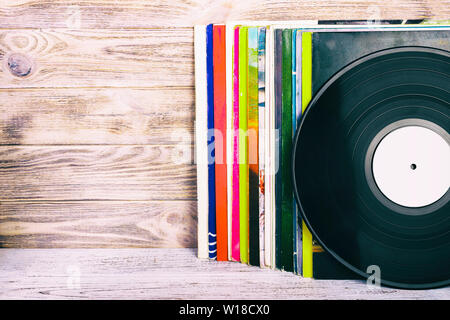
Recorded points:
(97, 58)
(97, 116)
(96, 103)
(98, 224)
(104, 14)
(96, 173)
(166, 274)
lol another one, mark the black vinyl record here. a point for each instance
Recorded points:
(333, 161)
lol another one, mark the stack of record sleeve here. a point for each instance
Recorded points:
(254, 80)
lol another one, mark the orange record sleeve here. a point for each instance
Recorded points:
(220, 123)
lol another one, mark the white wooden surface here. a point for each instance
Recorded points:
(165, 274)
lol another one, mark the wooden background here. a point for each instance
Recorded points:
(97, 104)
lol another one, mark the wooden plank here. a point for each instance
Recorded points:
(96, 58)
(166, 274)
(98, 224)
(183, 13)
(96, 116)
(97, 173)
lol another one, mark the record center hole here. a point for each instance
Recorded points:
(413, 166)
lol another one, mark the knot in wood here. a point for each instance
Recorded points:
(19, 65)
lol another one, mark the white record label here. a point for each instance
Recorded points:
(411, 166)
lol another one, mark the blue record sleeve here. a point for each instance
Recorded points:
(211, 145)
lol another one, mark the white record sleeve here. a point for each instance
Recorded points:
(201, 139)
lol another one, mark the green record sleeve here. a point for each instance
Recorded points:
(287, 207)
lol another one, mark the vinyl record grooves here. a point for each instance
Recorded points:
(380, 113)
